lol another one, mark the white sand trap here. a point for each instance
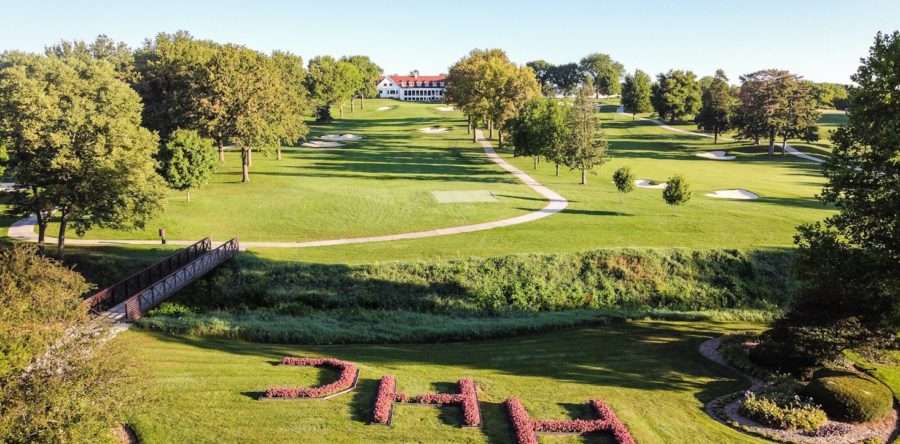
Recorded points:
(6, 186)
(644, 183)
(464, 196)
(434, 130)
(385, 108)
(733, 194)
(340, 137)
(715, 155)
(445, 108)
(321, 144)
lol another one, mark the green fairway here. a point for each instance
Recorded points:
(384, 184)
(379, 185)
(649, 373)
(596, 218)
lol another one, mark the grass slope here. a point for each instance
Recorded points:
(596, 218)
(649, 372)
(379, 185)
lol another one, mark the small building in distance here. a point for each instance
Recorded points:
(413, 88)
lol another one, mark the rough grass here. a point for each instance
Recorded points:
(362, 326)
(649, 372)
(630, 278)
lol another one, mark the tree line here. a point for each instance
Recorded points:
(771, 104)
(94, 132)
(604, 73)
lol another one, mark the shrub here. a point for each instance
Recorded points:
(783, 413)
(849, 397)
(345, 380)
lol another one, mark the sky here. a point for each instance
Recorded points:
(822, 41)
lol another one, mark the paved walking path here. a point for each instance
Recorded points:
(24, 229)
(788, 149)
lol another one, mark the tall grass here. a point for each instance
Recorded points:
(669, 279)
(362, 326)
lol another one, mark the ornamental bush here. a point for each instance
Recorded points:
(850, 397)
(783, 413)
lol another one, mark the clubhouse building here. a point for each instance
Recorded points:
(414, 88)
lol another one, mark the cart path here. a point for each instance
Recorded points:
(788, 149)
(24, 229)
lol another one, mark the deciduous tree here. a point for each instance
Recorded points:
(676, 94)
(636, 93)
(587, 146)
(849, 266)
(624, 180)
(369, 73)
(605, 73)
(540, 130)
(567, 78)
(677, 192)
(717, 108)
(76, 145)
(543, 73)
(187, 161)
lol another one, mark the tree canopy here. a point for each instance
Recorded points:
(636, 93)
(540, 130)
(586, 147)
(76, 145)
(676, 94)
(717, 106)
(332, 82)
(849, 265)
(369, 73)
(60, 381)
(187, 161)
(604, 72)
(776, 103)
(485, 84)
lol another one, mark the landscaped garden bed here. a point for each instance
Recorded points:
(347, 380)
(387, 396)
(831, 406)
(525, 429)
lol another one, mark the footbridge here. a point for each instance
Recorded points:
(132, 297)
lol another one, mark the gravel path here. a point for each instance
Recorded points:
(882, 430)
(788, 149)
(24, 229)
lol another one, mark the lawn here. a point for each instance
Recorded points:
(596, 218)
(379, 185)
(649, 372)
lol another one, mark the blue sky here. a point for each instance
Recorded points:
(820, 40)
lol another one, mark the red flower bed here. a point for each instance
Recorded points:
(384, 399)
(345, 380)
(467, 398)
(524, 427)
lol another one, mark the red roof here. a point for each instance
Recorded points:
(403, 81)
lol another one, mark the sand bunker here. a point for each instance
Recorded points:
(321, 144)
(715, 155)
(7, 186)
(733, 194)
(385, 108)
(434, 130)
(464, 196)
(643, 183)
(445, 108)
(341, 137)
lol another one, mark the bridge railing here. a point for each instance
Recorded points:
(120, 291)
(143, 301)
